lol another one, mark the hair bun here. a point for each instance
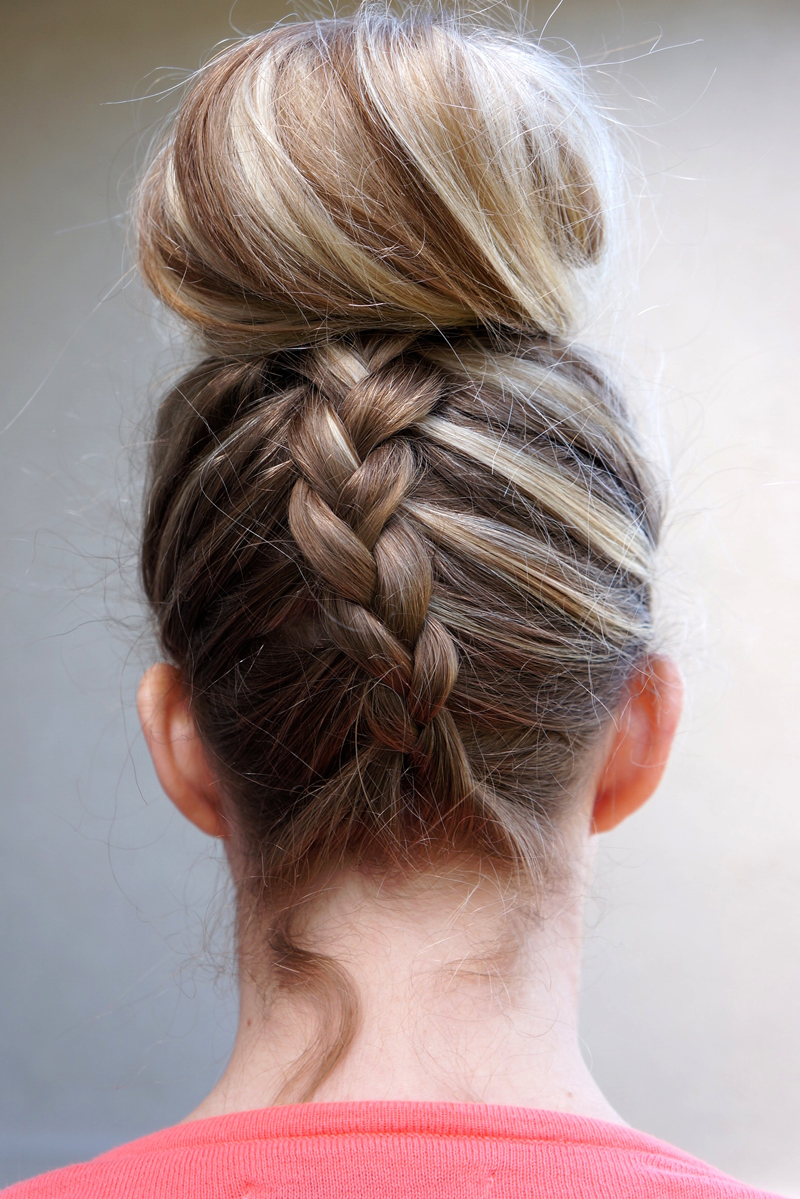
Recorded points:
(342, 175)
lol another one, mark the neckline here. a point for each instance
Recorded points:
(401, 1118)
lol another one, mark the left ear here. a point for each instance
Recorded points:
(644, 731)
(176, 749)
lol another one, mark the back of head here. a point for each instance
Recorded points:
(399, 532)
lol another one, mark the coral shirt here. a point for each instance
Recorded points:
(390, 1150)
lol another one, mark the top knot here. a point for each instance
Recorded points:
(375, 174)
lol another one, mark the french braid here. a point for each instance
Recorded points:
(346, 514)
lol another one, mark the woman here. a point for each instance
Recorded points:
(399, 548)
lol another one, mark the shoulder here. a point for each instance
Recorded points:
(57, 1184)
(615, 1160)
(100, 1178)
(134, 1169)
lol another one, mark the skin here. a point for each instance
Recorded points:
(464, 996)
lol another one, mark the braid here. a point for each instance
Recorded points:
(373, 567)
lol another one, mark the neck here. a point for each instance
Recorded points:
(461, 996)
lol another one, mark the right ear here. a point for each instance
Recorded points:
(637, 756)
(176, 749)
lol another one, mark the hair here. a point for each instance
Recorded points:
(399, 528)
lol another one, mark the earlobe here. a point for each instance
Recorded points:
(176, 749)
(640, 745)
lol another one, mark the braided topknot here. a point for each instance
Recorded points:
(399, 532)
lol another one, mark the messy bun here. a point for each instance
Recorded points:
(349, 176)
(399, 532)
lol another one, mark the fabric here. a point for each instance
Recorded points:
(397, 1150)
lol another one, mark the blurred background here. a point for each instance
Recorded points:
(116, 1005)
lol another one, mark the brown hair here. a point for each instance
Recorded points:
(399, 530)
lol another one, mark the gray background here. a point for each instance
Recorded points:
(117, 1009)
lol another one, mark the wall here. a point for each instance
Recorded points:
(117, 1011)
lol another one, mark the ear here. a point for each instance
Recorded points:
(644, 730)
(176, 749)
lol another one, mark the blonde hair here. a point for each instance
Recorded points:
(399, 529)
